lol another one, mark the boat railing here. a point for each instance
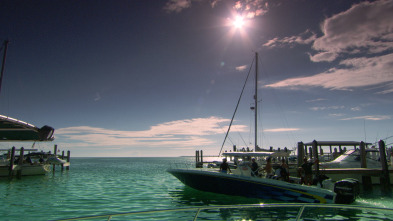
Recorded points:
(254, 212)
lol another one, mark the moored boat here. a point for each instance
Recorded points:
(32, 163)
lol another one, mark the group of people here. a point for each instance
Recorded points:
(305, 171)
(255, 169)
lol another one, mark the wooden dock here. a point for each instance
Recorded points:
(364, 172)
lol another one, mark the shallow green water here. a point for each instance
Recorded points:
(95, 186)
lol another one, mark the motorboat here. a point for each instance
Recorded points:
(242, 182)
(33, 163)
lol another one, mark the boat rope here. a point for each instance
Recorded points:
(237, 105)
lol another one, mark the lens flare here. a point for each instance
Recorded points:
(238, 22)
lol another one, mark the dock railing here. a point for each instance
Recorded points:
(285, 211)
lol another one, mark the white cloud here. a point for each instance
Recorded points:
(241, 68)
(366, 71)
(323, 56)
(251, 8)
(365, 27)
(181, 133)
(356, 109)
(275, 130)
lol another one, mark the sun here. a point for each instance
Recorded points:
(238, 22)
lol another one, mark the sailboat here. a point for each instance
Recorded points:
(242, 183)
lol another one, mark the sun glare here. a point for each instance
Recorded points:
(238, 22)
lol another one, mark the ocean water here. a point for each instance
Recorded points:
(96, 186)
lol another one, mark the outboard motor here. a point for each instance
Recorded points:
(347, 190)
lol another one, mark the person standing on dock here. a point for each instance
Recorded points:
(224, 167)
(284, 170)
(307, 169)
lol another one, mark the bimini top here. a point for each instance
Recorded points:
(16, 130)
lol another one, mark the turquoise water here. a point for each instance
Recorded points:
(95, 186)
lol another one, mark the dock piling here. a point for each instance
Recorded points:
(12, 160)
(62, 157)
(366, 179)
(20, 163)
(385, 178)
(315, 155)
(68, 160)
(300, 153)
(198, 159)
(55, 153)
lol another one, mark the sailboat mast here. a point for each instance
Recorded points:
(256, 100)
(3, 63)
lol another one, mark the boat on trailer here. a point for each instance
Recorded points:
(265, 187)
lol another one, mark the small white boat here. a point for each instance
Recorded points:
(351, 159)
(26, 170)
(33, 163)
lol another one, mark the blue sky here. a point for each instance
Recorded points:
(162, 78)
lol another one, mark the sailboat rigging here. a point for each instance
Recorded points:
(237, 105)
(255, 107)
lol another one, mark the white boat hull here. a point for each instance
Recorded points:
(27, 170)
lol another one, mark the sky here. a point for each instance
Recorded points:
(147, 78)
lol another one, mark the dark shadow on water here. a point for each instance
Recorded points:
(191, 197)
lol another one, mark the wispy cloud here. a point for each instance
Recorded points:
(370, 117)
(241, 68)
(336, 115)
(306, 37)
(277, 130)
(315, 100)
(246, 8)
(327, 108)
(251, 8)
(181, 133)
(177, 5)
(97, 97)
